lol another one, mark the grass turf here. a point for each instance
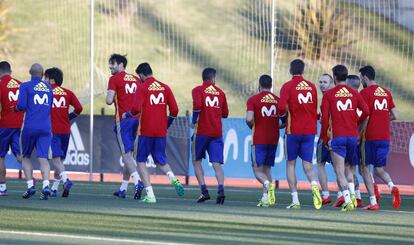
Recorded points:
(91, 215)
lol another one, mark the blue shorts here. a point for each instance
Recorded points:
(323, 154)
(263, 155)
(376, 152)
(346, 147)
(60, 143)
(300, 145)
(9, 138)
(213, 145)
(29, 139)
(156, 146)
(126, 133)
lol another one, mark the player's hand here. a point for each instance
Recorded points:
(126, 115)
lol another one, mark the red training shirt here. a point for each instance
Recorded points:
(211, 102)
(380, 103)
(125, 86)
(339, 111)
(62, 98)
(299, 98)
(151, 101)
(9, 92)
(266, 119)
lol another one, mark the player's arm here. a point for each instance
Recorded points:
(362, 105)
(284, 97)
(22, 99)
(110, 95)
(172, 107)
(325, 119)
(77, 106)
(250, 113)
(282, 119)
(197, 106)
(225, 108)
(393, 109)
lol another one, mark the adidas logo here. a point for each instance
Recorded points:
(155, 86)
(41, 87)
(268, 99)
(129, 78)
(76, 154)
(13, 84)
(303, 86)
(59, 91)
(211, 90)
(380, 92)
(343, 92)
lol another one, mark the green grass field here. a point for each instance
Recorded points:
(92, 216)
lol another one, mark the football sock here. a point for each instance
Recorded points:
(266, 184)
(339, 194)
(358, 194)
(3, 187)
(30, 183)
(390, 185)
(135, 177)
(295, 198)
(372, 200)
(124, 185)
(63, 176)
(45, 184)
(55, 185)
(351, 187)
(325, 194)
(150, 192)
(347, 196)
(170, 175)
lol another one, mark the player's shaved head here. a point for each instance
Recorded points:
(209, 74)
(353, 81)
(5, 68)
(36, 70)
(265, 81)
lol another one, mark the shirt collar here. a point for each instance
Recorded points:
(149, 80)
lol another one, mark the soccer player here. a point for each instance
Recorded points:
(339, 106)
(377, 134)
(10, 122)
(151, 101)
(60, 117)
(122, 87)
(35, 100)
(298, 97)
(263, 119)
(323, 155)
(209, 107)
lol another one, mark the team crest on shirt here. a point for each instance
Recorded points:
(343, 92)
(129, 78)
(41, 87)
(380, 92)
(59, 91)
(303, 86)
(13, 84)
(211, 90)
(155, 86)
(268, 98)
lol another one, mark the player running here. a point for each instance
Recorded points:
(209, 107)
(35, 100)
(298, 97)
(122, 87)
(151, 101)
(262, 117)
(340, 129)
(10, 122)
(60, 117)
(377, 134)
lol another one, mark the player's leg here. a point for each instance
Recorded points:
(143, 150)
(121, 192)
(292, 149)
(306, 154)
(43, 152)
(350, 178)
(131, 168)
(199, 147)
(262, 178)
(215, 154)
(4, 147)
(267, 168)
(159, 155)
(322, 157)
(27, 144)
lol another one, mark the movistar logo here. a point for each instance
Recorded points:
(305, 99)
(44, 100)
(130, 89)
(379, 106)
(212, 102)
(271, 112)
(13, 96)
(159, 99)
(76, 154)
(61, 103)
(344, 106)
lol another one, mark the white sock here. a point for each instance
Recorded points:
(171, 175)
(135, 177)
(390, 185)
(372, 200)
(351, 187)
(55, 185)
(314, 183)
(29, 183)
(45, 184)
(264, 197)
(358, 194)
(124, 185)
(3, 187)
(150, 192)
(266, 184)
(325, 194)
(295, 198)
(339, 194)
(347, 196)
(63, 176)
